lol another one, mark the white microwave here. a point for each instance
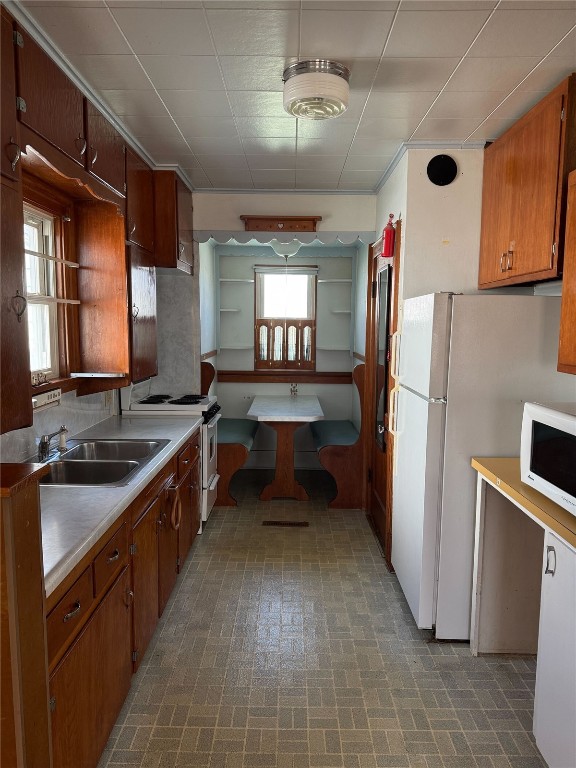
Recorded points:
(548, 451)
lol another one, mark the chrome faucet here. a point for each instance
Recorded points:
(293, 389)
(44, 444)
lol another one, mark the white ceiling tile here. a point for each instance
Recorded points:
(434, 33)
(495, 74)
(362, 72)
(329, 163)
(449, 5)
(343, 34)
(199, 125)
(208, 104)
(30, 4)
(254, 32)
(517, 104)
(81, 29)
(475, 104)
(271, 161)
(414, 74)
(367, 177)
(312, 179)
(548, 74)
(276, 5)
(155, 3)
(356, 186)
(182, 73)
(445, 129)
(529, 5)
(253, 73)
(523, 33)
(164, 148)
(161, 126)
(368, 162)
(567, 47)
(134, 102)
(315, 184)
(384, 147)
(272, 178)
(400, 104)
(338, 129)
(260, 146)
(111, 72)
(223, 146)
(230, 179)
(210, 163)
(359, 5)
(491, 129)
(256, 104)
(180, 31)
(186, 160)
(198, 178)
(386, 127)
(266, 127)
(323, 147)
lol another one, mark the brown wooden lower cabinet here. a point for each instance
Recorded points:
(89, 686)
(190, 522)
(168, 544)
(145, 579)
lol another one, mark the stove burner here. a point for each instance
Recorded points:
(187, 400)
(153, 399)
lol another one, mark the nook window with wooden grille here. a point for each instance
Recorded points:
(285, 324)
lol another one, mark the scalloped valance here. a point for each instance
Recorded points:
(242, 237)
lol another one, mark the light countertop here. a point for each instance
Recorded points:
(74, 518)
(286, 408)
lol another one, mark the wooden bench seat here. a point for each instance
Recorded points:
(339, 447)
(235, 438)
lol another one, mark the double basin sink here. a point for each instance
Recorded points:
(101, 462)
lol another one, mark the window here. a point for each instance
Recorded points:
(40, 276)
(285, 327)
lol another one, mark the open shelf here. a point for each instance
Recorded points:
(230, 310)
(236, 280)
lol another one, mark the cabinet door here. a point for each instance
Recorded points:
(89, 686)
(497, 202)
(139, 201)
(567, 345)
(168, 545)
(145, 579)
(10, 155)
(555, 695)
(143, 311)
(16, 403)
(105, 154)
(54, 106)
(185, 530)
(185, 230)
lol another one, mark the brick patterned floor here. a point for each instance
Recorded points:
(293, 647)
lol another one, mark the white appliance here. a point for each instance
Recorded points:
(466, 366)
(153, 405)
(548, 451)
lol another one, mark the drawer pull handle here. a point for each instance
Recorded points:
(114, 556)
(549, 568)
(185, 462)
(73, 612)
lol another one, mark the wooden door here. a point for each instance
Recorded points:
(567, 345)
(16, 403)
(185, 225)
(497, 201)
(105, 154)
(167, 545)
(145, 579)
(89, 686)
(10, 155)
(139, 201)
(54, 106)
(535, 158)
(143, 314)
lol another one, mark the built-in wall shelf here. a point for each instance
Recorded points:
(229, 310)
(332, 349)
(338, 280)
(236, 280)
(237, 346)
(341, 311)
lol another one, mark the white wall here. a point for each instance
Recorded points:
(339, 212)
(208, 275)
(359, 299)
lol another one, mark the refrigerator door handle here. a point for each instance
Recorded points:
(440, 400)
(394, 356)
(392, 411)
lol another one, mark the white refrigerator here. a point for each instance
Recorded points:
(466, 364)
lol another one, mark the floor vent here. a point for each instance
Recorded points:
(290, 523)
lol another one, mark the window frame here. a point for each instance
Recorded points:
(286, 325)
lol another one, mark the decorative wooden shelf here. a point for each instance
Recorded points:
(256, 223)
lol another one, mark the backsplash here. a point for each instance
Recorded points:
(77, 413)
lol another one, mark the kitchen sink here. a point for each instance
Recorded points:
(64, 472)
(101, 462)
(114, 450)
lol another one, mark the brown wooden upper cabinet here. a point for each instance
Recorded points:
(173, 219)
(48, 101)
(105, 152)
(10, 155)
(524, 193)
(567, 345)
(139, 201)
(143, 312)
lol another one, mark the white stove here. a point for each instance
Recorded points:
(185, 405)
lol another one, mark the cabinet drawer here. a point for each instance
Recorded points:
(69, 613)
(185, 461)
(143, 501)
(111, 559)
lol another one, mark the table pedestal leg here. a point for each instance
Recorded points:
(284, 484)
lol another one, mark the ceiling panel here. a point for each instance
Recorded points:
(198, 83)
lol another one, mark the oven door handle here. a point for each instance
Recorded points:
(212, 423)
(213, 482)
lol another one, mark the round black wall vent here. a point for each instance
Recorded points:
(442, 170)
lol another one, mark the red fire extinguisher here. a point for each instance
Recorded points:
(388, 234)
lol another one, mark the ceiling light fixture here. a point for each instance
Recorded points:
(285, 249)
(316, 89)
